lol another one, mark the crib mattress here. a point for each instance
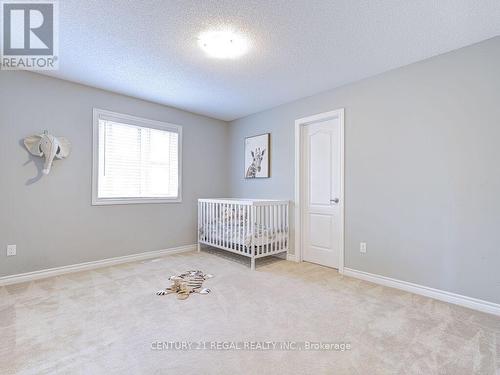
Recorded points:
(235, 233)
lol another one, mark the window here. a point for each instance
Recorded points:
(135, 160)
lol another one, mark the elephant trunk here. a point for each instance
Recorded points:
(48, 164)
(50, 151)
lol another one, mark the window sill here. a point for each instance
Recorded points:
(117, 201)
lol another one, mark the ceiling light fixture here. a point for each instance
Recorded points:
(224, 44)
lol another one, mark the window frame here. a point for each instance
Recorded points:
(99, 114)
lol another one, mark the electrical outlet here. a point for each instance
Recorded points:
(11, 250)
(362, 247)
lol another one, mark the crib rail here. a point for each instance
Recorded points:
(251, 227)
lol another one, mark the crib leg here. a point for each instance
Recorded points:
(252, 266)
(199, 247)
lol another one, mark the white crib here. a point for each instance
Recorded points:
(252, 227)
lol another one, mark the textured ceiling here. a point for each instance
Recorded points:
(148, 49)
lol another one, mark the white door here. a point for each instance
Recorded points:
(321, 183)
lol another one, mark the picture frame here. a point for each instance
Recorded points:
(257, 156)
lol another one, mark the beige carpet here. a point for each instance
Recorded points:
(104, 322)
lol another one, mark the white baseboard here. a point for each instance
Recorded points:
(30, 276)
(457, 299)
(291, 257)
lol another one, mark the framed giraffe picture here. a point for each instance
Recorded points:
(257, 156)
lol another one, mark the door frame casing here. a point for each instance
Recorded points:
(299, 190)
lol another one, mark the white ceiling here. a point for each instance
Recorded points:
(148, 49)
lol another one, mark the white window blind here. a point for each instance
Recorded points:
(136, 163)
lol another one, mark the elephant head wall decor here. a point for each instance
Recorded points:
(48, 146)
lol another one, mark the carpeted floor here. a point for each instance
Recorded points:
(109, 320)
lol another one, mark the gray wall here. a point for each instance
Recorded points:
(422, 169)
(51, 219)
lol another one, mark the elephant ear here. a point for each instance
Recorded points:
(65, 148)
(32, 143)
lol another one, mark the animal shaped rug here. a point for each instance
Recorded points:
(186, 283)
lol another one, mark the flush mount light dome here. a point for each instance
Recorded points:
(223, 44)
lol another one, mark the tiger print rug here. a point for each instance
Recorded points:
(186, 283)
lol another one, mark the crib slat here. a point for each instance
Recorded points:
(278, 228)
(281, 227)
(242, 231)
(287, 229)
(275, 221)
(284, 227)
(258, 229)
(282, 210)
(233, 224)
(252, 229)
(266, 228)
(239, 227)
(214, 227)
(228, 222)
(271, 225)
(245, 228)
(229, 225)
(273, 217)
(248, 223)
(223, 220)
(282, 232)
(242, 227)
(219, 214)
(226, 228)
(219, 228)
(267, 219)
(275, 239)
(249, 229)
(207, 231)
(209, 222)
(233, 230)
(266, 223)
(263, 228)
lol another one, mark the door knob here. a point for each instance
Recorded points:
(336, 201)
